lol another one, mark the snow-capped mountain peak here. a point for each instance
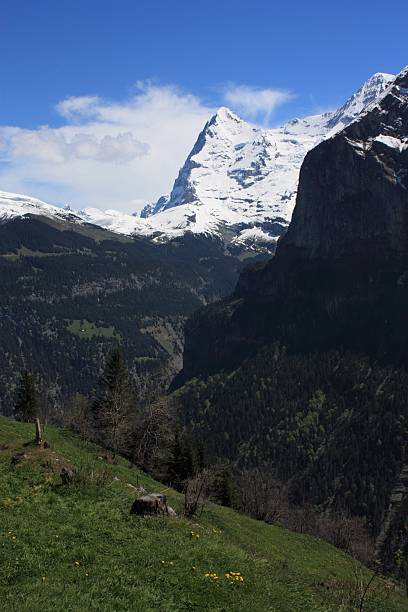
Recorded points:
(244, 177)
(368, 93)
(239, 182)
(224, 115)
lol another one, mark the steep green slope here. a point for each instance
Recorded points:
(76, 547)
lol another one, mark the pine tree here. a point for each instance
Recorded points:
(202, 458)
(26, 408)
(224, 487)
(183, 463)
(112, 407)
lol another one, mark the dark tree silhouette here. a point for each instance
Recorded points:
(113, 404)
(26, 408)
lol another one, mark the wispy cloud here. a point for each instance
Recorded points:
(254, 102)
(75, 107)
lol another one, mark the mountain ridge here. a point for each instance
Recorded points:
(238, 184)
(245, 177)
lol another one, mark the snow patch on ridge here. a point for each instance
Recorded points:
(392, 142)
(13, 205)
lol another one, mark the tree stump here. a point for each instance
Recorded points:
(67, 475)
(151, 504)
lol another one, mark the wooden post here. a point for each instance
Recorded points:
(38, 434)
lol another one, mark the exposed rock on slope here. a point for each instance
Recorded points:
(353, 192)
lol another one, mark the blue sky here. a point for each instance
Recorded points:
(175, 57)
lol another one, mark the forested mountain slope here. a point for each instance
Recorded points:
(330, 425)
(71, 291)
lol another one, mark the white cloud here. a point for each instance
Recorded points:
(254, 102)
(58, 146)
(106, 154)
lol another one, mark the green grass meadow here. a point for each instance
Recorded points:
(77, 547)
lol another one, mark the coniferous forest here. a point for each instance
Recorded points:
(69, 295)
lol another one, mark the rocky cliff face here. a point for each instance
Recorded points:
(340, 275)
(353, 194)
(339, 281)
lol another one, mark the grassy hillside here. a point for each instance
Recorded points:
(76, 547)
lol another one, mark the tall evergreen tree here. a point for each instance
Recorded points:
(183, 462)
(224, 487)
(113, 403)
(26, 408)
